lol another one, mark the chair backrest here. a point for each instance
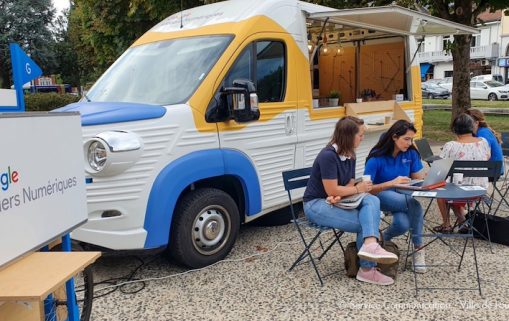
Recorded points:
(489, 169)
(424, 148)
(505, 143)
(296, 178)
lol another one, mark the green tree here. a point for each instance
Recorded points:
(100, 31)
(27, 23)
(465, 12)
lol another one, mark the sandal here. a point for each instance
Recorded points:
(446, 229)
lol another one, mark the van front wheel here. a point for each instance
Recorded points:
(204, 228)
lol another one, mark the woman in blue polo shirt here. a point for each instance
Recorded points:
(394, 160)
(482, 129)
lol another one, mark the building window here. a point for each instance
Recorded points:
(475, 41)
(446, 42)
(448, 73)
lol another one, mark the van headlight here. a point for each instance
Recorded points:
(97, 155)
(112, 152)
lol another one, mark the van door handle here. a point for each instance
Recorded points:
(288, 124)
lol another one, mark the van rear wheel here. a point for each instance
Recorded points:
(204, 228)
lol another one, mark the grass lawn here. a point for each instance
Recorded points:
(436, 125)
(475, 103)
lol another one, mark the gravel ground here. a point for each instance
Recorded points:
(254, 284)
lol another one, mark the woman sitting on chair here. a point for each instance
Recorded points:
(332, 177)
(394, 160)
(465, 147)
(482, 129)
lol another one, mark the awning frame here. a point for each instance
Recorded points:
(417, 29)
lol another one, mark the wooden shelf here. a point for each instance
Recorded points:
(35, 276)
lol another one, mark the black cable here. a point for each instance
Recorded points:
(122, 279)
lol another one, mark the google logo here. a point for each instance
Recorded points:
(8, 178)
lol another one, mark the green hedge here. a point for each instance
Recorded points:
(48, 101)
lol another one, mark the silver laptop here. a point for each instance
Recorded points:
(435, 178)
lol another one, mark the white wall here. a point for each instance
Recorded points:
(440, 68)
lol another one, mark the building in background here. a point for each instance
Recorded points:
(487, 49)
(503, 61)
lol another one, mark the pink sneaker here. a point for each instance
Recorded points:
(374, 276)
(374, 252)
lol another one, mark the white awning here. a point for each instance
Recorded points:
(395, 20)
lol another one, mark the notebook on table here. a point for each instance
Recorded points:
(435, 178)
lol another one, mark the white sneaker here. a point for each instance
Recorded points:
(419, 262)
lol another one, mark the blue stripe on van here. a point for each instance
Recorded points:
(179, 174)
(99, 113)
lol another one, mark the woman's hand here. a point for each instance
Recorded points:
(333, 199)
(400, 180)
(364, 186)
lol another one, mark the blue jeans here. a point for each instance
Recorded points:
(363, 220)
(406, 212)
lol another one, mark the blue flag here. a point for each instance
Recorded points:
(20, 61)
(24, 70)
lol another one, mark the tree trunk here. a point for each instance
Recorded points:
(461, 75)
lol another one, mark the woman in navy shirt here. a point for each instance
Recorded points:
(332, 177)
(482, 129)
(394, 160)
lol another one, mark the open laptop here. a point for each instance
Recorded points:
(425, 151)
(435, 178)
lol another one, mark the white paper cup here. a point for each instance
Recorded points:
(457, 178)
(359, 100)
(366, 178)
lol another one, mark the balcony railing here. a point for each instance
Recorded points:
(481, 52)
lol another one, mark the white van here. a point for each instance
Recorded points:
(498, 78)
(187, 133)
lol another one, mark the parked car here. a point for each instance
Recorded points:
(498, 78)
(446, 83)
(432, 91)
(489, 89)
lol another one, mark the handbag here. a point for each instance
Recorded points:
(352, 260)
(497, 226)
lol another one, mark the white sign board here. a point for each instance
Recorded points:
(42, 181)
(7, 98)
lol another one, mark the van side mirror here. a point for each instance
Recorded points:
(239, 102)
(243, 105)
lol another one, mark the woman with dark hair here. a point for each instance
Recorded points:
(332, 177)
(482, 129)
(465, 147)
(394, 160)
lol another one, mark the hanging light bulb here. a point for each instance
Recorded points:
(324, 50)
(311, 46)
(339, 50)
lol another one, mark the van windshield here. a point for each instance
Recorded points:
(161, 73)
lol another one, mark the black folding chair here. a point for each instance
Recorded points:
(297, 179)
(504, 189)
(425, 151)
(488, 169)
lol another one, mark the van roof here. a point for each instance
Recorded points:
(282, 11)
(392, 19)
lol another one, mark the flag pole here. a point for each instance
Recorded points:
(17, 75)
